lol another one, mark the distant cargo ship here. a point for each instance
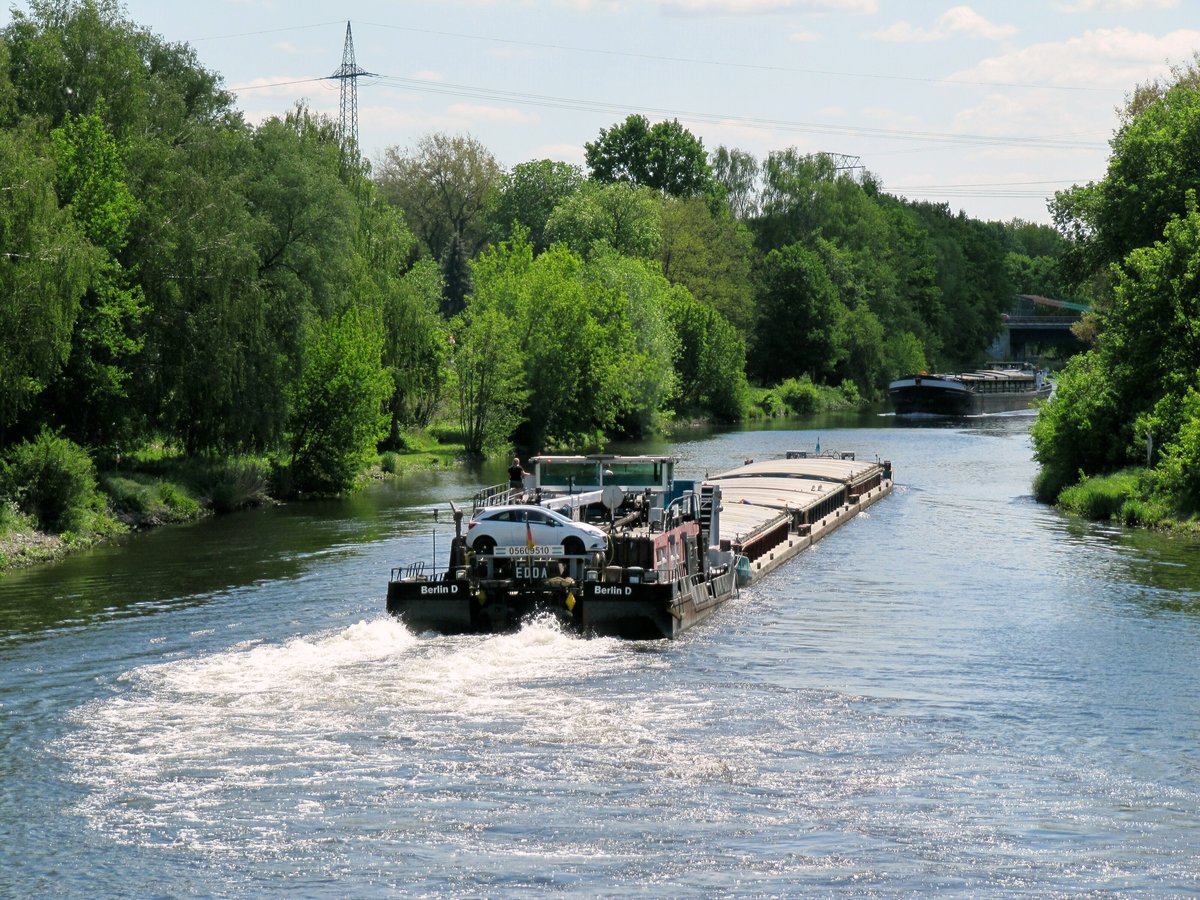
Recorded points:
(998, 388)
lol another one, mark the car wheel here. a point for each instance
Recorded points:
(485, 545)
(573, 546)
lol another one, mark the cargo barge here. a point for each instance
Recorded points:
(1002, 387)
(677, 549)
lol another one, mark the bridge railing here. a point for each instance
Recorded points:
(1039, 321)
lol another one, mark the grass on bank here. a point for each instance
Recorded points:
(1129, 497)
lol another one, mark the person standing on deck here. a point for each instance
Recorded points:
(516, 475)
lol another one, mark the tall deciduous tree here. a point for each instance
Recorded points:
(800, 317)
(91, 395)
(337, 416)
(712, 255)
(737, 173)
(416, 347)
(528, 195)
(711, 363)
(487, 377)
(1155, 161)
(621, 216)
(444, 185)
(665, 157)
(46, 264)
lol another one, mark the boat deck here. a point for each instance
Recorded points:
(772, 510)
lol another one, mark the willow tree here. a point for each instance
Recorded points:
(46, 264)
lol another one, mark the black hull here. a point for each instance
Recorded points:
(933, 400)
(632, 611)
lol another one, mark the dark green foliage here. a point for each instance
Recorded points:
(974, 284)
(800, 396)
(1079, 430)
(665, 157)
(54, 481)
(712, 255)
(46, 264)
(528, 195)
(711, 364)
(799, 317)
(337, 417)
(456, 278)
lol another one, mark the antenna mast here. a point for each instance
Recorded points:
(348, 75)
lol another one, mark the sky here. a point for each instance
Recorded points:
(990, 107)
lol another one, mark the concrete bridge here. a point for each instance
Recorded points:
(1025, 335)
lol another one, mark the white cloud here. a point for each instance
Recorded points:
(1101, 58)
(758, 7)
(959, 21)
(1110, 5)
(804, 37)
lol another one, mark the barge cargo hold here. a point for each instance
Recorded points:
(677, 549)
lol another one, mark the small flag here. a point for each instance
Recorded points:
(570, 602)
(529, 535)
(818, 443)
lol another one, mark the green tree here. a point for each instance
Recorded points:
(665, 157)
(528, 195)
(91, 394)
(46, 265)
(711, 362)
(487, 377)
(631, 300)
(456, 278)
(53, 480)
(712, 255)
(800, 317)
(445, 186)
(415, 349)
(66, 56)
(737, 172)
(337, 417)
(622, 216)
(1155, 161)
(1074, 431)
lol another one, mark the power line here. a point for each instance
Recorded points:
(630, 54)
(584, 105)
(221, 37)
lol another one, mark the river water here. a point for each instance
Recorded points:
(960, 691)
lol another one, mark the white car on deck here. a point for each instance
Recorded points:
(515, 525)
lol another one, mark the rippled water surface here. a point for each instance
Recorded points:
(960, 691)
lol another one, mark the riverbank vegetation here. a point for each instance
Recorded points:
(260, 303)
(1121, 437)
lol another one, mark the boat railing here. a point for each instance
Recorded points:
(497, 495)
(414, 571)
(821, 454)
